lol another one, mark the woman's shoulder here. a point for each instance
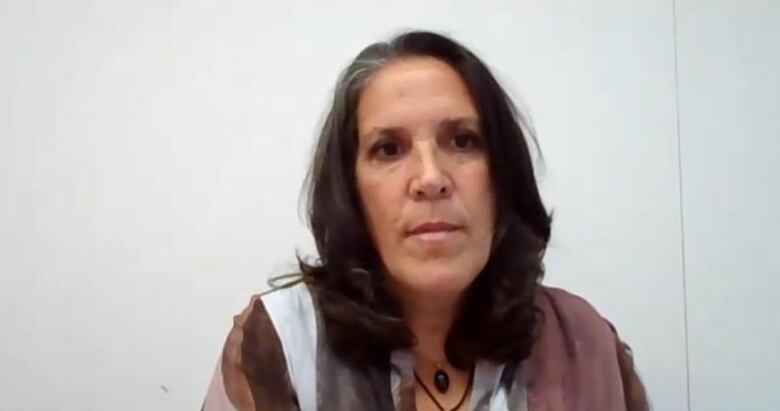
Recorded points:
(567, 299)
(283, 317)
(277, 309)
(277, 313)
(267, 349)
(576, 337)
(574, 323)
(570, 309)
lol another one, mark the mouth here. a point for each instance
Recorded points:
(432, 231)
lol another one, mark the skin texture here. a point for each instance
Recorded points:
(421, 158)
(424, 168)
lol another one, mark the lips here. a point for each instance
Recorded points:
(433, 227)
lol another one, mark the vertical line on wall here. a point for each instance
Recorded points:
(682, 213)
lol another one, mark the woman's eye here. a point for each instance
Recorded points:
(465, 141)
(387, 149)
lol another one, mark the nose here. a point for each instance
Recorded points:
(431, 181)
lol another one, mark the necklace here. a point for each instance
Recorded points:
(441, 380)
(430, 395)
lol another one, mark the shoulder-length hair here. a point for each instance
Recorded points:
(363, 319)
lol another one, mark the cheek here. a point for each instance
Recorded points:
(480, 196)
(381, 206)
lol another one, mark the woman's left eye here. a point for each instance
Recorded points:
(465, 141)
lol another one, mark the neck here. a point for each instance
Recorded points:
(430, 320)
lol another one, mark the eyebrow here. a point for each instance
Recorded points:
(449, 123)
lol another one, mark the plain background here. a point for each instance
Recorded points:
(152, 155)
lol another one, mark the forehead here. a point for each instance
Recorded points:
(414, 92)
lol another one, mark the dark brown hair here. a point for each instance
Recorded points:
(362, 317)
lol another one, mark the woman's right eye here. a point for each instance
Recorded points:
(387, 150)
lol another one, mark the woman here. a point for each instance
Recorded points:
(430, 232)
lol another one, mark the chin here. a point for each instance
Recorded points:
(442, 280)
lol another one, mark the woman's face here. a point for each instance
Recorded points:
(423, 177)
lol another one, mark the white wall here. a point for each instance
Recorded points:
(729, 77)
(151, 157)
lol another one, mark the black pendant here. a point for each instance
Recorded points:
(441, 381)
